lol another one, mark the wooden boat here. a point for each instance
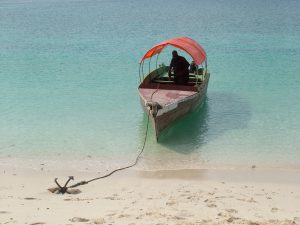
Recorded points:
(162, 99)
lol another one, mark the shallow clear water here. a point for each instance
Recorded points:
(69, 77)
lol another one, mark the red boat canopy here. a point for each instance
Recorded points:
(186, 44)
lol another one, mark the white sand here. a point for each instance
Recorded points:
(251, 196)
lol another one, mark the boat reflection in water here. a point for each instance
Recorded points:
(193, 141)
(179, 144)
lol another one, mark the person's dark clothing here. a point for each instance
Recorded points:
(181, 69)
(193, 67)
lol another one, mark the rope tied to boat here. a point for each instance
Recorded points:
(153, 107)
(62, 189)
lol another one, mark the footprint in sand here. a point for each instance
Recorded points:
(99, 221)
(251, 200)
(222, 214)
(111, 214)
(206, 222)
(124, 216)
(171, 202)
(232, 219)
(177, 218)
(211, 205)
(3, 212)
(79, 219)
(246, 200)
(112, 198)
(274, 209)
(37, 223)
(296, 220)
(231, 210)
(30, 198)
(253, 223)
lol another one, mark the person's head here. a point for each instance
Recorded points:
(174, 54)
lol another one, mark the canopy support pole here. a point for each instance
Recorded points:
(150, 67)
(156, 64)
(156, 60)
(143, 70)
(140, 72)
(205, 68)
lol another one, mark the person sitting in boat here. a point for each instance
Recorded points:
(193, 67)
(180, 66)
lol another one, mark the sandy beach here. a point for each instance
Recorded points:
(216, 196)
(73, 75)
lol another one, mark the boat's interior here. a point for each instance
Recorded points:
(159, 77)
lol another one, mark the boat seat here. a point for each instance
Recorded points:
(170, 82)
(169, 86)
(163, 81)
(192, 78)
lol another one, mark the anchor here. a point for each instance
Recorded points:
(65, 189)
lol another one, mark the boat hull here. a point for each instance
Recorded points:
(168, 113)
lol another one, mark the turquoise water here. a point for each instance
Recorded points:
(69, 77)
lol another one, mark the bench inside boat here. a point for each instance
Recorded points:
(159, 78)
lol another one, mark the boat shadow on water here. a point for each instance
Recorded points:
(219, 113)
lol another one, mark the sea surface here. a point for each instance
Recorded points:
(69, 74)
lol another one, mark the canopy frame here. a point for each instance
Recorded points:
(186, 44)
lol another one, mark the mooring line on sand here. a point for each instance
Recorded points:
(65, 189)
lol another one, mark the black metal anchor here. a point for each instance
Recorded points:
(66, 189)
(63, 189)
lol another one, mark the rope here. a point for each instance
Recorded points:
(65, 188)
